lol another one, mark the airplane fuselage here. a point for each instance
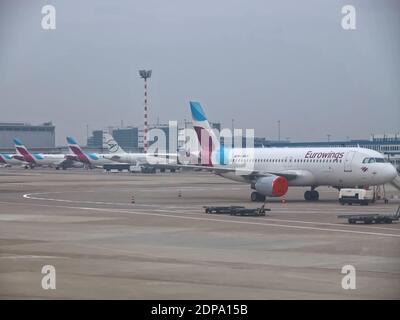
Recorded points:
(338, 167)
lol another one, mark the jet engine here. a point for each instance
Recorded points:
(274, 186)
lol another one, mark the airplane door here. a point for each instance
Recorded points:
(348, 159)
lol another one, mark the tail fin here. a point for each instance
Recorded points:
(74, 147)
(20, 148)
(110, 144)
(206, 136)
(23, 151)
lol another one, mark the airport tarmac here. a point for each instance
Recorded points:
(163, 246)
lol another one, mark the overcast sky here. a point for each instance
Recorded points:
(255, 61)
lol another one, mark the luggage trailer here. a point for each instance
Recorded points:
(236, 210)
(369, 218)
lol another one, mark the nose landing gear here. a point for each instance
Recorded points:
(311, 195)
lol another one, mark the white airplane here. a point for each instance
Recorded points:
(41, 159)
(91, 160)
(9, 160)
(116, 153)
(270, 171)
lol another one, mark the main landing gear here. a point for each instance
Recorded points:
(311, 195)
(257, 197)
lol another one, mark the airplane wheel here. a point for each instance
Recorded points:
(311, 195)
(257, 197)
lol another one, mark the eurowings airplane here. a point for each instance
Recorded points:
(10, 160)
(116, 153)
(91, 160)
(42, 159)
(270, 171)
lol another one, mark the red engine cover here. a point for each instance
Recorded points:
(279, 186)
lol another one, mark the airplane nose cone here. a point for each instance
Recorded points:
(390, 172)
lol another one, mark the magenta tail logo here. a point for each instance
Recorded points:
(81, 156)
(25, 154)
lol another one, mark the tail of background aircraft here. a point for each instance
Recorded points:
(206, 136)
(20, 148)
(110, 144)
(22, 153)
(76, 150)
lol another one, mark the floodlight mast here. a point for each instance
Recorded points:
(145, 74)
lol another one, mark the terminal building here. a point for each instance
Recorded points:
(95, 141)
(33, 136)
(127, 138)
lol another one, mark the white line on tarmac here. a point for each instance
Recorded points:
(171, 216)
(30, 257)
(166, 207)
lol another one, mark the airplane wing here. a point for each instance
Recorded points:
(61, 162)
(114, 157)
(71, 157)
(288, 174)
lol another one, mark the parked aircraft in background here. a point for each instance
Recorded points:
(8, 160)
(116, 153)
(90, 159)
(42, 159)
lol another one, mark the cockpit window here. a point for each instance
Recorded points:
(373, 160)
